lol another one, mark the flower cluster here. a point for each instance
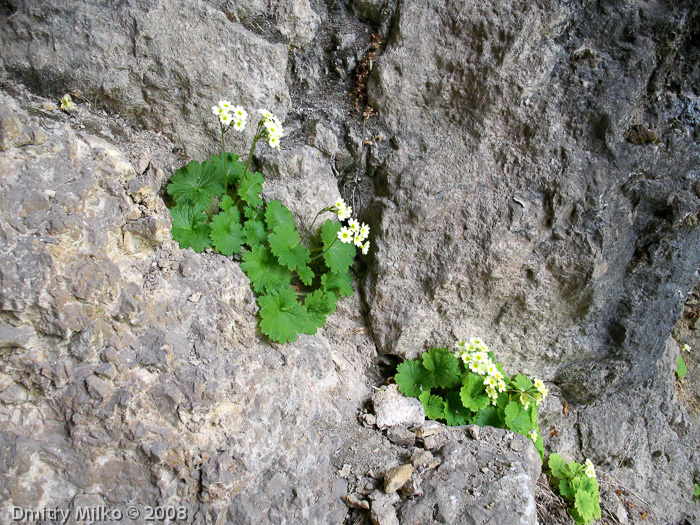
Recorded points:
(230, 115)
(475, 355)
(353, 232)
(272, 128)
(590, 470)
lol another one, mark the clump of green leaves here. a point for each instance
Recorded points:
(468, 386)
(218, 205)
(696, 493)
(578, 485)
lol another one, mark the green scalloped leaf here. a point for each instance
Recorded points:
(255, 233)
(681, 368)
(277, 214)
(225, 204)
(471, 393)
(284, 243)
(434, 405)
(587, 506)
(282, 317)
(566, 489)
(456, 413)
(227, 234)
(265, 273)
(320, 304)
(410, 377)
(517, 418)
(337, 255)
(255, 213)
(557, 465)
(196, 184)
(250, 188)
(488, 416)
(341, 283)
(306, 275)
(443, 367)
(190, 227)
(522, 382)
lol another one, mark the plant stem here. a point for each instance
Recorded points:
(314, 222)
(256, 138)
(324, 251)
(223, 149)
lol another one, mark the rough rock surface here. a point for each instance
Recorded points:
(533, 217)
(452, 475)
(137, 58)
(530, 176)
(137, 377)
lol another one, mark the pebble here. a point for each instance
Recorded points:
(396, 477)
(354, 502)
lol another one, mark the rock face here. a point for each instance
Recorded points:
(450, 475)
(163, 63)
(531, 178)
(137, 377)
(536, 224)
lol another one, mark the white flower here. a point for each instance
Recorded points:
(686, 348)
(365, 248)
(239, 125)
(272, 128)
(340, 203)
(590, 470)
(225, 119)
(532, 434)
(354, 225)
(490, 381)
(364, 231)
(345, 213)
(477, 345)
(345, 235)
(240, 113)
(539, 385)
(460, 347)
(225, 105)
(219, 110)
(525, 400)
(493, 370)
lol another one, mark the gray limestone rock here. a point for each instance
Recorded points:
(393, 408)
(302, 179)
(117, 386)
(530, 234)
(530, 177)
(135, 58)
(465, 481)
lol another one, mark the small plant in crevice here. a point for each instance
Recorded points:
(468, 386)
(218, 206)
(578, 485)
(681, 367)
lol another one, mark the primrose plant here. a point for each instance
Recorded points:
(578, 485)
(468, 386)
(218, 206)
